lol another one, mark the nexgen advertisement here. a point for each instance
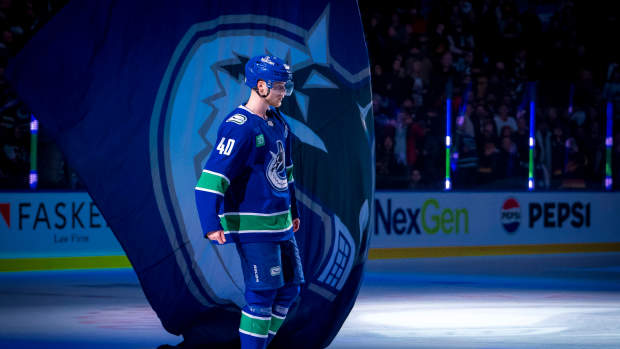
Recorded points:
(53, 225)
(481, 219)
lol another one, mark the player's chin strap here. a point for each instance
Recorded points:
(258, 92)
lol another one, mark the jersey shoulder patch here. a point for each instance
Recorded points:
(238, 119)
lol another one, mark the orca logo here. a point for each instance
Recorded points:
(5, 211)
(276, 171)
(511, 215)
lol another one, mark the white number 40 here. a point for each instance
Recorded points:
(225, 149)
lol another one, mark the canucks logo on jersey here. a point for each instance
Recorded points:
(276, 170)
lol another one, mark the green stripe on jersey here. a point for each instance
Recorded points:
(254, 325)
(247, 222)
(289, 174)
(213, 181)
(276, 323)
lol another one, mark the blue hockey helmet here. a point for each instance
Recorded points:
(270, 69)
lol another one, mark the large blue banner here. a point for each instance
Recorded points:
(133, 92)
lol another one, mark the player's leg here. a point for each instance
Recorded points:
(256, 318)
(286, 295)
(261, 265)
(283, 301)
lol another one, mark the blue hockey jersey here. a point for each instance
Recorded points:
(246, 187)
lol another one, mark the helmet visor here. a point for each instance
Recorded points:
(288, 88)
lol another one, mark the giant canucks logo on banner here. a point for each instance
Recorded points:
(134, 100)
(204, 81)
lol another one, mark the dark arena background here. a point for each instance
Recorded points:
(458, 165)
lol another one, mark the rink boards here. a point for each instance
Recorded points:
(65, 230)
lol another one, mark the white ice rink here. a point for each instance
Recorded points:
(552, 301)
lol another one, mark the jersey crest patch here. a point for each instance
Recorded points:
(276, 171)
(238, 119)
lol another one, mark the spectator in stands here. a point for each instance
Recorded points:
(464, 67)
(482, 84)
(502, 119)
(415, 180)
(593, 147)
(7, 41)
(543, 154)
(394, 43)
(439, 39)
(522, 141)
(15, 164)
(420, 84)
(487, 170)
(466, 153)
(558, 153)
(432, 149)
(415, 136)
(488, 135)
(460, 42)
(574, 169)
(379, 81)
(384, 124)
(553, 118)
(401, 84)
(386, 166)
(400, 136)
(421, 54)
(464, 122)
(499, 82)
(418, 22)
(519, 69)
(509, 28)
(374, 39)
(508, 161)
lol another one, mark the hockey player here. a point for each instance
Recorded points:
(246, 195)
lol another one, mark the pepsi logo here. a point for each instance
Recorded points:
(511, 215)
(5, 212)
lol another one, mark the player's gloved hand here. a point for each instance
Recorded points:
(217, 235)
(296, 222)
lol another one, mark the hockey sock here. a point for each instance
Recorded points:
(284, 299)
(256, 319)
